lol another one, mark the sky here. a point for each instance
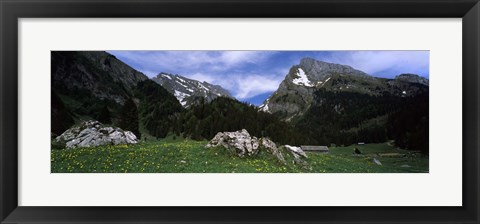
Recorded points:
(251, 76)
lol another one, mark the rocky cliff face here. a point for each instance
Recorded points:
(189, 91)
(295, 93)
(94, 73)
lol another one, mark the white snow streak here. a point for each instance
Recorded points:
(181, 97)
(302, 79)
(167, 76)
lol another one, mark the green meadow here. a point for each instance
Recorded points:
(188, 156)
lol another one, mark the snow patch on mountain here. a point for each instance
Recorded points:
(180, 79)
(166, 76)
(181, 97)
(189, 91)
(302, 79)
(182, 84)
(203, 87)
(264, 107)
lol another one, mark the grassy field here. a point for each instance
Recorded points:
(187, 156)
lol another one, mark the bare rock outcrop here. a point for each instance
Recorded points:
(239, 141)
(243, 144)
(298, 155)
(272, 148)
(93, 133)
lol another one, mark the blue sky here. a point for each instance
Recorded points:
(252, 76)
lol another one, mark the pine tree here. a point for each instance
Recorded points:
(129, 118)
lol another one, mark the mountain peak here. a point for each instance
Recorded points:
(189, 91)
(296, 92)
(308, 61)
(321, 70)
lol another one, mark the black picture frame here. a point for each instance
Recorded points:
(11, 11)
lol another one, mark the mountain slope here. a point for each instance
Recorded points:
(95, 84)
(295, 93)
(205, 120)
(346, 118)
(189, 91)
(96, 72)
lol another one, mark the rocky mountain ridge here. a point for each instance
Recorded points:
(189, 91)
(295, 93)
(97, 73)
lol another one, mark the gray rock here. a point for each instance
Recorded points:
(376, 161)
(243, 144)
(405, 166)
(93, 133)
(272, 148)
(298, 156)
(296, 151)
(239, 141)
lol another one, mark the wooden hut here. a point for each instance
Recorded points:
(315, 148)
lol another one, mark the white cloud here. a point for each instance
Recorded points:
(232, 58)
(186, 61)
(242, 86)
(252, 85)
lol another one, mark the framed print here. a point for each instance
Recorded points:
(249, 112)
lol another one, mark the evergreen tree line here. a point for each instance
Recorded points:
(205, 120)
(157, 108)
(346, 118)
(409, 125)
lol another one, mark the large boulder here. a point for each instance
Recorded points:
(243, 144)
(239, 141)
(298, 156)
(296, 151)
(93, 133)
(272, 148)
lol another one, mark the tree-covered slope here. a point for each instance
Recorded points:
(204, 120)
(96, 85)
(346, 118)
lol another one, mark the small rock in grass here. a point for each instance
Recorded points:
(357, 151)
(376, 161)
